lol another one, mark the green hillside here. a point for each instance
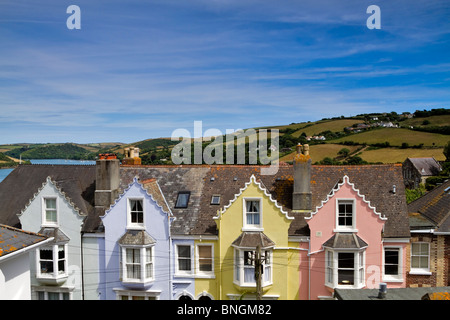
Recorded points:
(397, 136)
(52, 151)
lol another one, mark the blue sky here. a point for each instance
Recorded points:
(140, 69)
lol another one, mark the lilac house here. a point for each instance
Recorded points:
(136, 246)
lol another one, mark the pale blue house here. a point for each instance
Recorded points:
(136, 248)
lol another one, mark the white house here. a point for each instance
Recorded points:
(15, 248)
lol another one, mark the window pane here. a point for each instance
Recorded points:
(182, 200)
(349, 208)
(46, 266)
(237, 275)
(184, 258)
(53, 296)
(345, 277)
(149, 270)
(346, 268)
(205, 258)
(391, 261)
(184, 264)
(415, 262)
(61, 266)
(50, 203)
(391, 257)
(346, 260)
(184, 251)
(148, 255)
(46, 254)
(249, 274)
(137, 213)
(423, 262)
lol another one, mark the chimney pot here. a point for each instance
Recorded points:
(382, 291)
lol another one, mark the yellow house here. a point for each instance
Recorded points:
(254, 220)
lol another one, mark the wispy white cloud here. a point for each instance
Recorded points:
(159, 65)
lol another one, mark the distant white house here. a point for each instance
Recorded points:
(15, 247)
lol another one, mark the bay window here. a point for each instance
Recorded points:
(244, 267)
(344, 269)
(52, 262)
(137, 264)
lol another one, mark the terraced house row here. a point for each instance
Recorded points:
(196, 232)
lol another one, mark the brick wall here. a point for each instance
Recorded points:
(439, 262)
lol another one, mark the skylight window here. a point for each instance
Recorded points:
(215, 199)
(182, 199)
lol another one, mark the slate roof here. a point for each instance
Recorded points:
(250, 239)
(426, 166)
(344, 240)
(434, 206)
(19, 187)
(392, 293)
(13, 239)
(136, 238)
(203, 181)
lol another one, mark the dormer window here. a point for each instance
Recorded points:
(182, 199)
(135, 213)
(252, 214)
(50, 212)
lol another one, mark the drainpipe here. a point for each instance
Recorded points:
(170, 261)
(82, 267)
(309, 267)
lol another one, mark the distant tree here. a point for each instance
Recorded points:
(344, 152)
(447, 151)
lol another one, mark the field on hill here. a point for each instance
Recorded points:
(320, 151)
(394, 155)
(331, 125)
(442, 120)
(397, 136)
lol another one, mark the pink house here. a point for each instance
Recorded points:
(357, 236)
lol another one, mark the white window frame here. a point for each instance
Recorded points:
(239, 267)
(399, 276)
(351, 228)
(332, 265)
(198, 272)
(179, 272)
(147, 295)
(135, 225)
(55, 275)
(420, 270)
(57, 290)
(252, 227)
(45, 222)
(142, 263)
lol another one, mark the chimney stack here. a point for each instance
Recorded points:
(301, 197)
(131, 156)
(106, 181)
